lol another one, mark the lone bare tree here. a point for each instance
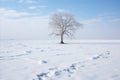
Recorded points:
(63, 23)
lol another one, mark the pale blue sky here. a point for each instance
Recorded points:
(28, 19)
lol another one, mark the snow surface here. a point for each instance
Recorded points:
(48, 60)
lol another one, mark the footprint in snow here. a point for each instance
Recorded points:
(28, 51)
(70, 70)
(42, 75)
(73, 66)
(106, 55)
(57, 73)
(42, 50)
(44, 61)
(52, 68)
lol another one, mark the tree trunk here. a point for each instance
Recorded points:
(62, 39)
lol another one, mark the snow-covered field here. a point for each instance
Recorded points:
(48, 60)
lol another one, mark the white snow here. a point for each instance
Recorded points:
(49, 60)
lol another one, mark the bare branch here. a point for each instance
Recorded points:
(63, 24)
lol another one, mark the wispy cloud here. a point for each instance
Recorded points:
(91, 21)
(27, 1)
(21, 1)
(9, 13)
(101, 19)
(37, 7)
(63, 10)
